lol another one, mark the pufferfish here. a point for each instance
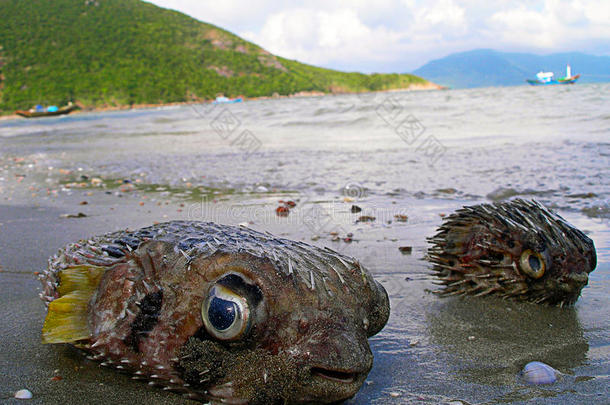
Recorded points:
(517, 249)
(221, 314)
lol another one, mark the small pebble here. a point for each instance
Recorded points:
(405, 250)
(23, 394)
(365, 218)
(79, 215)
(282, 211)
(83, 203)
(471, 338)
(394, 394)
(356, 209)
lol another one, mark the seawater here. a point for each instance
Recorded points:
(550, 143)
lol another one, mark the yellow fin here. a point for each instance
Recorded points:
(66, 319)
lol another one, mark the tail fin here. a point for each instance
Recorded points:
(66, 319)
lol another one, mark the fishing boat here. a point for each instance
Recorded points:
(226, 100)
(40, 111)
(546, 78)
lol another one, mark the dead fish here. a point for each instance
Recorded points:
(219, 313)
(517, 249)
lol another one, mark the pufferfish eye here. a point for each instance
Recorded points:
(226, 314)
(532, 263)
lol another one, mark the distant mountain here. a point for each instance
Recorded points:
(124, 52)
(486, 67)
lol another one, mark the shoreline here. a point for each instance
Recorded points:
(300, 94)
(428, 324)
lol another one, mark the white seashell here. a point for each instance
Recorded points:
(23, 394)
(538, 373)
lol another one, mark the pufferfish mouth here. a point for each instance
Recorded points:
(345, 377)
(574, 282)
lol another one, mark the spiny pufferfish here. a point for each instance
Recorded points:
(222, 314)
(517, 249)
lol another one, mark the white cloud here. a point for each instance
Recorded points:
(321, 36)
(522, 26)
(400, 35)
(339, 36)
(556, 25)
(444, 13)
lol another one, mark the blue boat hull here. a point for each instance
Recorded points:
(570, 80)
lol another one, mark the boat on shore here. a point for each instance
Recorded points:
(226, 100)
(546, 78)
(40, 111)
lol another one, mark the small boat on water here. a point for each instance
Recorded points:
(226, 100)
(546, 78)
(40, 111)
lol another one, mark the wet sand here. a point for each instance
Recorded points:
(432, 350)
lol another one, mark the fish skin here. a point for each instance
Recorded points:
(309, 329)
(478, 250)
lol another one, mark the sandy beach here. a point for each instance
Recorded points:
(420, 322)
(134, 168)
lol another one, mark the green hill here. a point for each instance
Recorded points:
(125, 52)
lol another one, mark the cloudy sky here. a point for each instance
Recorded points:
(401, 35)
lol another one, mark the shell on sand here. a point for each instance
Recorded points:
(538, 373)
(23, 394)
